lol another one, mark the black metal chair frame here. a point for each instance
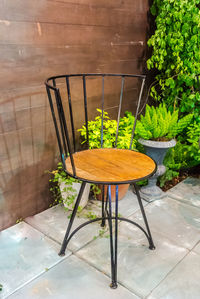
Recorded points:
(66, 146)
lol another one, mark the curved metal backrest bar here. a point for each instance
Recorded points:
(58, 102)
(71, 113)
(64, 142)
(64, 125)
(55, 122)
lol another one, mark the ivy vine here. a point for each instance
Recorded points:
(176, 54)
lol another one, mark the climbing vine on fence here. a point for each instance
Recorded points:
(176, 54)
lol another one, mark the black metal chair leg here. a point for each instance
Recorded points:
(103, 208)
(151, 244)
(113, 249)
(65, 241)
(116, 231)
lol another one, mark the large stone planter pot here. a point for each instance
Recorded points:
(157, 151)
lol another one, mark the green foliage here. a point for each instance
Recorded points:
(90, 215)
(176, 54)
(168, 176)
(193, 139)
(182, 156)
(95, 189)
(109, 131)
(1, 287)
(59, 175)
(94, 130)
(19, 220)
(161, 124)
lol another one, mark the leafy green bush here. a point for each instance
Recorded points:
(160, 124)
(193, 139)
(176, 54)
(109, 131)
(182, 157)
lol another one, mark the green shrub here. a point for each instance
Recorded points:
(109, 131)
(176, 54)
(193, 139)
(182, 157)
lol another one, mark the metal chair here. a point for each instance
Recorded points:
(99, 166)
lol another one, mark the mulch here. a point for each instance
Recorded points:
(192, 172)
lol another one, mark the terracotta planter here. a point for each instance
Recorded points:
(121, 192)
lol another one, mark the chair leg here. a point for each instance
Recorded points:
(113, 245)
(151, 244)
(65, 241)
(103, 208)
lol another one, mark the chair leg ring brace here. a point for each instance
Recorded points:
(151, 244)
(112, 219)
(66, 238)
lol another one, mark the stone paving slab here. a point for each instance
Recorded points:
(53, 222)
(72, 279)
(176, 221)
(25, 253)
(127, 206)
(139, 268)
(188, 191)
(182, 282)
(197, 248)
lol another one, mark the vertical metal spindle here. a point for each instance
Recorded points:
(119, 111)
(61, 124)
(136, 115)
(55, 122)
(70, 112)
(102, 113)
(63, 120)
(86, 113)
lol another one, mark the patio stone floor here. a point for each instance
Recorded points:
(31, 268)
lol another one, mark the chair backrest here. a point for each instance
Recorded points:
(65, 128)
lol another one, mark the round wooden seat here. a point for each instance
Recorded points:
(110, 165)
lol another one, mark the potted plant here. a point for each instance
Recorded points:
(109, 136)
(157, 130)
(65, 189)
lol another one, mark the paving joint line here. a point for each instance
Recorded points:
(104, 273)
(169, 273)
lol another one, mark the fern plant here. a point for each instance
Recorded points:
(160, 124)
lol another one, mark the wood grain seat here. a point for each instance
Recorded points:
(111, 165)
